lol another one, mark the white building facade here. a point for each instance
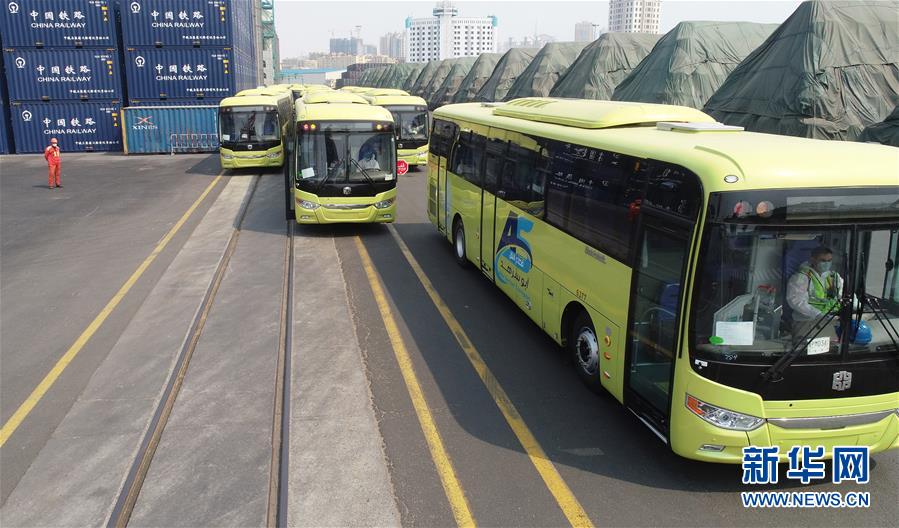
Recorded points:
(446, 35)
(585, 32)
(635, 16)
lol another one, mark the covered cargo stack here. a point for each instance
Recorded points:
(828, 72)
(542, 73)
(414, 72)
(476, 77)
(188, 51)
(508, 68)
(63, 74)
(427, 72)
(603, 64)
(886, 132)
(690, 62)
(447, 89)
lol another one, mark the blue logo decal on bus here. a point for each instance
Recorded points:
(513, 258)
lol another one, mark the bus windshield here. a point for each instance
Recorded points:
(784, 274)
(333, 156)
(411, 122)
(247, 124)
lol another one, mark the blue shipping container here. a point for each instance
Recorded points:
(78, 126)
(169, 129)
(217, 23)
(182, 73)
(58, 23)
(60, 74)
(175, 102)
(5, 133)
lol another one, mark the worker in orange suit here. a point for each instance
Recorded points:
(51, 154)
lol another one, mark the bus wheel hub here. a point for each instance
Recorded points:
(587, 350)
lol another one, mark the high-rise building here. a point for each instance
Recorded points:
(347, 46)
(392, 45)
(446, 35)
(634, 16)
(585, 32)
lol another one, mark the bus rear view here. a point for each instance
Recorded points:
(345, 161)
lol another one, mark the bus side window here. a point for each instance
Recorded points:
(442, 137)
(675, 190)
(520, 179)
(493, 164)
(467, 157)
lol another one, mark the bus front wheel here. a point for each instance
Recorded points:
(584, 349)
(459, 244)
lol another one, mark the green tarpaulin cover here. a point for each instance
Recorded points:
(508, 68)
(442, 72)
(690, 62)
(886, 132)
(451, 83)
(829, 71)
(542, 73)
(477, 76)
(410, 79)
(427, 73)
(603, 64)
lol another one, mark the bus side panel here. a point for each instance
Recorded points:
(517, 271)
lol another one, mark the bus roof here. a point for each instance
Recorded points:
(386, 91)
(389, 100)
(759, 160)
(267, 91)
(249, 100)
(333, 96)
(341, 112)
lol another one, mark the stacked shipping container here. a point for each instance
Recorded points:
(185, 55)
(65, 62)
(63, 73)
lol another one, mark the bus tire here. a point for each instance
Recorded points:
(459, 243)
(583, 346)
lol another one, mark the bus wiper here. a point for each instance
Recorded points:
(883, 318)
(775, 372)
(321, 184)
(367, 177)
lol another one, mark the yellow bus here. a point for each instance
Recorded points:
(252, 127)
(410, 116)
(683, 264)
(344, 165)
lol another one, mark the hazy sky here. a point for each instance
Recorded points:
(305, 26)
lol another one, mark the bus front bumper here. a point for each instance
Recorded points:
(236, 160)
(417, 156)
(871, 421)
(373, 210)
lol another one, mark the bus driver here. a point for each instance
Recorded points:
(813, 290)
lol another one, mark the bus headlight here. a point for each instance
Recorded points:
(273, 155)
(306, 204)
(227, 156)
(384, 204)
(722, 417)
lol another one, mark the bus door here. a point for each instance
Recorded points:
(493, 166)
(444, 137)
(661, 255)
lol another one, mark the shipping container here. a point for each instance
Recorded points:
(78, 126)
(58, 23)
(175, 102)
(161, 23)
(169, 129)
(63, 74)
(5, 132)
(182, 73)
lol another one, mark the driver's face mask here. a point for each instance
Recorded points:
(823, 266)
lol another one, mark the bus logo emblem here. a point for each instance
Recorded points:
(842, 380)
(347, 191)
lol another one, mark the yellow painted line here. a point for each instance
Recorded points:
(571, 507)
(22, 412)
(454, 492)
